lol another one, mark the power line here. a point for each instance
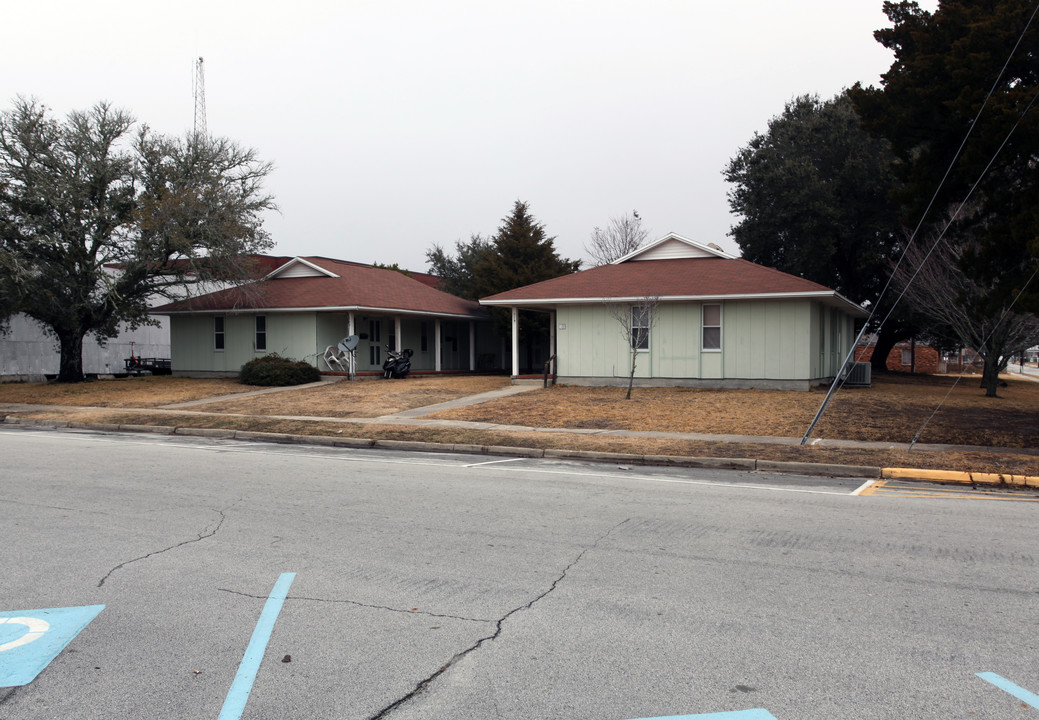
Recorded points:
(842, 374)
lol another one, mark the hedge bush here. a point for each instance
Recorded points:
(274, 370)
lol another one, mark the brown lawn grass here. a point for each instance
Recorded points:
(367, 398)
(892, 410)
(130, 392)
(999, 461)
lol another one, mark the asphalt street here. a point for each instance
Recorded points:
(457, 586)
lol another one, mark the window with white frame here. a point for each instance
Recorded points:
(640, 324)
(261, 333)
(712, 328)
(218, 332)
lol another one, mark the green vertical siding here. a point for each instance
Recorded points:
(192, 341)
(675, 341)
(293, 335)
(772, 340)
(591, 343)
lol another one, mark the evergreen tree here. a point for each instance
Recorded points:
(945, 65)
(520, 254)
(814, 196)
(456, 273)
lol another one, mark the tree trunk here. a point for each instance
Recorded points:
(886, 340)
(631, 375)
(990, 376)
(70, 367)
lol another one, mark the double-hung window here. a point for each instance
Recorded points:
(261, 333)
(712, 328)
(218, 332)
(640, 323)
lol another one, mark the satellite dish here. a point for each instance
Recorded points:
(349, 344)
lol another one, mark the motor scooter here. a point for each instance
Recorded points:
(398, 364)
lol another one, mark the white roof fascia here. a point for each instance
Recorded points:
(819, 294)
(318, 308)
(680, 238)
(299, 261)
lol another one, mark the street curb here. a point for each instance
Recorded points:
(744, 464)
(803, 468)
(965, 478)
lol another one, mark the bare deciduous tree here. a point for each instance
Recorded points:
(622, 236)
(636, 320)
(942, 292)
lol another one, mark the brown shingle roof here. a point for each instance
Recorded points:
(357, 286)
(714, 277)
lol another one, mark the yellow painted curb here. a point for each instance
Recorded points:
(958, 477)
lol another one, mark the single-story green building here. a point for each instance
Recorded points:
(305, 307)
(716, 321)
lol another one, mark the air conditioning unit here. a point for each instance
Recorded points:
(858, 375)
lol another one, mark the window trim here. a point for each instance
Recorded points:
(704, 327)
(642, 314)
(258, 334)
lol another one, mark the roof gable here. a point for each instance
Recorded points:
(673, 247)
(324, 284)
(298, 267)
(696, 279)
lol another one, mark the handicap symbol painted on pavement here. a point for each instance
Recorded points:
(36, 628)
(31, 639)
(756, 714)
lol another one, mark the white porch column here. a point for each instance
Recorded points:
(436, 344)
(515, 341)
(472, 346)
(552, 343)
(351, 361)
(396, 333)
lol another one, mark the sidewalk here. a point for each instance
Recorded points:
(415, 417)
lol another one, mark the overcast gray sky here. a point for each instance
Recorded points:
(397, 124)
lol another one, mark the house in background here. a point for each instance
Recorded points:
(311, 303)
(721, 321)
(906, 357)
(29, 353)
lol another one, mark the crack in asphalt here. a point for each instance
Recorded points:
(364, 605)
(8, 695)
(206, 533)
(500, 623)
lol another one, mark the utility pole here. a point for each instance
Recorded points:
(200, 101)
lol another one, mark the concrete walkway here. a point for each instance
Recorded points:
(252, 393)
(415, 418)
(483, 397)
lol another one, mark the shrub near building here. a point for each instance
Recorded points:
(274, 370)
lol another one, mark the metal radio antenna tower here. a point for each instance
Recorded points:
(200, 100)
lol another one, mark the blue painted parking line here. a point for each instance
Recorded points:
(31, 639)
(755, 714)
(1003, 684)
(238, 695)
